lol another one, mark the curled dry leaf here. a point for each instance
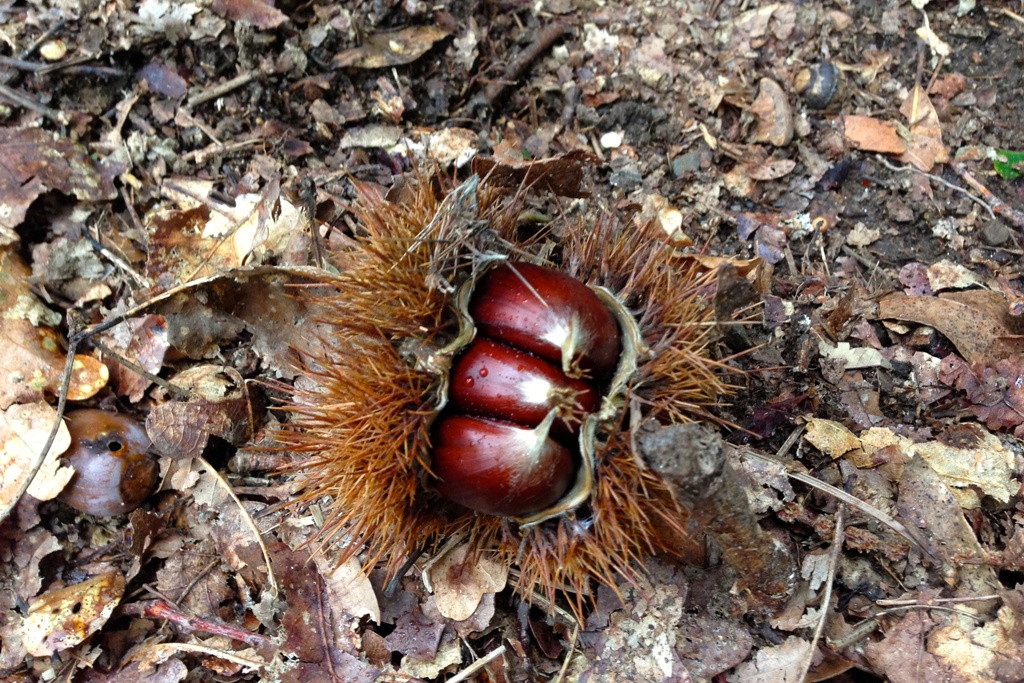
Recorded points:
(220, 408)
(63, 618)
(460, 579)
(391, 48)
(831, 438)
(925, 148)
(972, 320)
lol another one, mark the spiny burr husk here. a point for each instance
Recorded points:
(360, 423)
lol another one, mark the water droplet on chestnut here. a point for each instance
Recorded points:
(549, 313)
(520, 387)
(114, 471)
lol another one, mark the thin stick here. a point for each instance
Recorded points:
(940, 181)
(179, 393)
(220, 90)
(22, 100)
(998, 205)
(838, 538)
(477, 665)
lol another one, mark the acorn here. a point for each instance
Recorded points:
(114, 470)
(820, 84)
(473, 382)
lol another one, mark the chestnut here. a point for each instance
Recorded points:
(500, 468)
(497, 380)
(819, 84)
(519, 394)
(114, 471)
(549, 313)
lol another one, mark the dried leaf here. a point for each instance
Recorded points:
(36, 160)
(867, 133)
(925, 148)
(831, 438)
(461, 578)
(63, 618)
(391, 49)
(24, 429)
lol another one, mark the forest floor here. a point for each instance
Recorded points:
(168, 168)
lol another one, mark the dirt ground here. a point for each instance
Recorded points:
(841, 179)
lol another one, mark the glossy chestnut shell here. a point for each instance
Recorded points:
(546, 347)
(114, 471)
(500, 468)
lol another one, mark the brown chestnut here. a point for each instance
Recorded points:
(549, 313)
(497, 380)
(499, 468)
(114, 471)
(819, 84)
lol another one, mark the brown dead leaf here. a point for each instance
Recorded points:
(927, 504)
(391, 48)
(63, 618)
(142, 341)
(460, 579)
(902, 657)
(774, 115)
(24, 429)
(867, 133)
(995, 394)
(974, 331)
(256, 12)
(36, 160)
(561, 176)
(32, 363)
(831, 438)
(925, 148)
(219, 407)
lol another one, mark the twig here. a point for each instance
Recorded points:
(46, 35)
(22, 100)
(1012, 15)
(519, 65)
(838, 538)
(998, 205)
(477, 665)
(940, 181)
(906, 532)
(200, 155)
(177, 392)
(158, 609)
(220, 90)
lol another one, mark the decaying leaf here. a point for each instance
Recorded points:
(63, 618)
(461, 578)
(830, 437)
(219, 407)
(391, 48)
(872, 135)
(972, 327)
(36, 160)
(24, 429)
(924, 148)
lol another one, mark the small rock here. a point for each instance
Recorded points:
(994, 233)
(685, 164)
